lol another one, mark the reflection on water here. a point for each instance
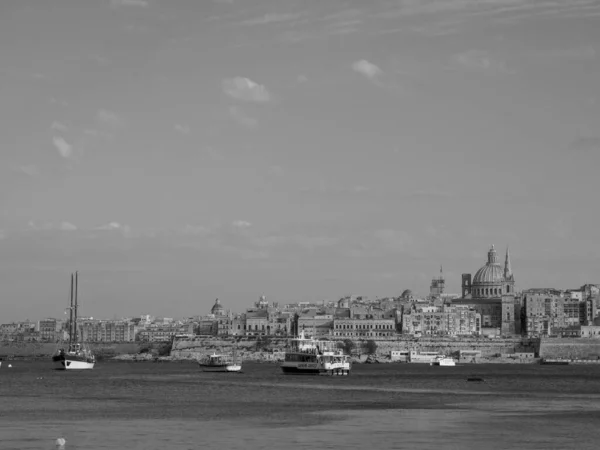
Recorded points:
(172, 406)
(385, 429)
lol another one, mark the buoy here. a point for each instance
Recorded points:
(60, 442)
(9, 366)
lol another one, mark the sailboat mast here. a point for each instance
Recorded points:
(71, 314)
(75, 307)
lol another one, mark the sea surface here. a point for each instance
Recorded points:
(123, 405)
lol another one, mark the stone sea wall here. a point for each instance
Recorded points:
(193, 348)
(199, 346)
(43, 350)
(575, 348)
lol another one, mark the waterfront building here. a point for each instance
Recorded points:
(315, 323)
(257, 322)
(106, 330)
(164, 333)
(353, 328)
(491, 292)
(543, 312)
(458, 320)
(50, 329)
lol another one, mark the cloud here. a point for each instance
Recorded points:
(432, 192)
(367, 69)
(110, 226)
(394, 240)
(271, 18)
(584, 53)
(48, 226)
(64, 148)
(586, 144)
(29, 170)
(109, 118)
(57, 126)
(479, 60)
(118, 3)
(67, 226)
(241, 224)
(241, 88)
(324, 187)
(241, 118)
(183, 129)
(276, 171)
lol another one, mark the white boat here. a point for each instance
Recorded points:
(308, 356)
(443, 361)
(77, 355)
(220, 363)
(422, 357)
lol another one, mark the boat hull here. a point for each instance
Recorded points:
(73, 364)
(223, 368)
(313, 369)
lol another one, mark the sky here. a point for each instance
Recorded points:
(176, 151)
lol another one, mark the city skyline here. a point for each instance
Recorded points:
(176, 152)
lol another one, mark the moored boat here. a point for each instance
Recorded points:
(221, 363)
(443, 361)
(554, 362)
(77, 355)
(309, 356)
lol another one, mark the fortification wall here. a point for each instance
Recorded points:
(575, 348)
(41, 350)
(199, 346)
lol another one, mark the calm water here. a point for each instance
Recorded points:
(405, 406)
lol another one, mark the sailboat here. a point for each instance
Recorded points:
(77, 355)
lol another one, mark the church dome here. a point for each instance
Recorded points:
(406, 294)
(217, 308)
(492, 272)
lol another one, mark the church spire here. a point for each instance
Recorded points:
(507, 267)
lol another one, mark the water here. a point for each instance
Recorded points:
(405, 406)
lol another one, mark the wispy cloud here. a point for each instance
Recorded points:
(64, 148)
(118, 3)
(586, 144)
(67, 226)
(241, 88)
(458, 12)
(109, 118)
(57, 126)
(367, 69)
(183, 129)
(276, 171)
(271, 18)
(242, 118)
(324, 187)
(480, 60)
(583, 53)
(241, 224)
(29, 170)
(49, 226)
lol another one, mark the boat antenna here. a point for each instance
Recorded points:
(75, 310)
(71, 315)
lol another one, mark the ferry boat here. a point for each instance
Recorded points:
(423, 357)
(220, 363)
(309, 356)
(443, 361)
(77, 355)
